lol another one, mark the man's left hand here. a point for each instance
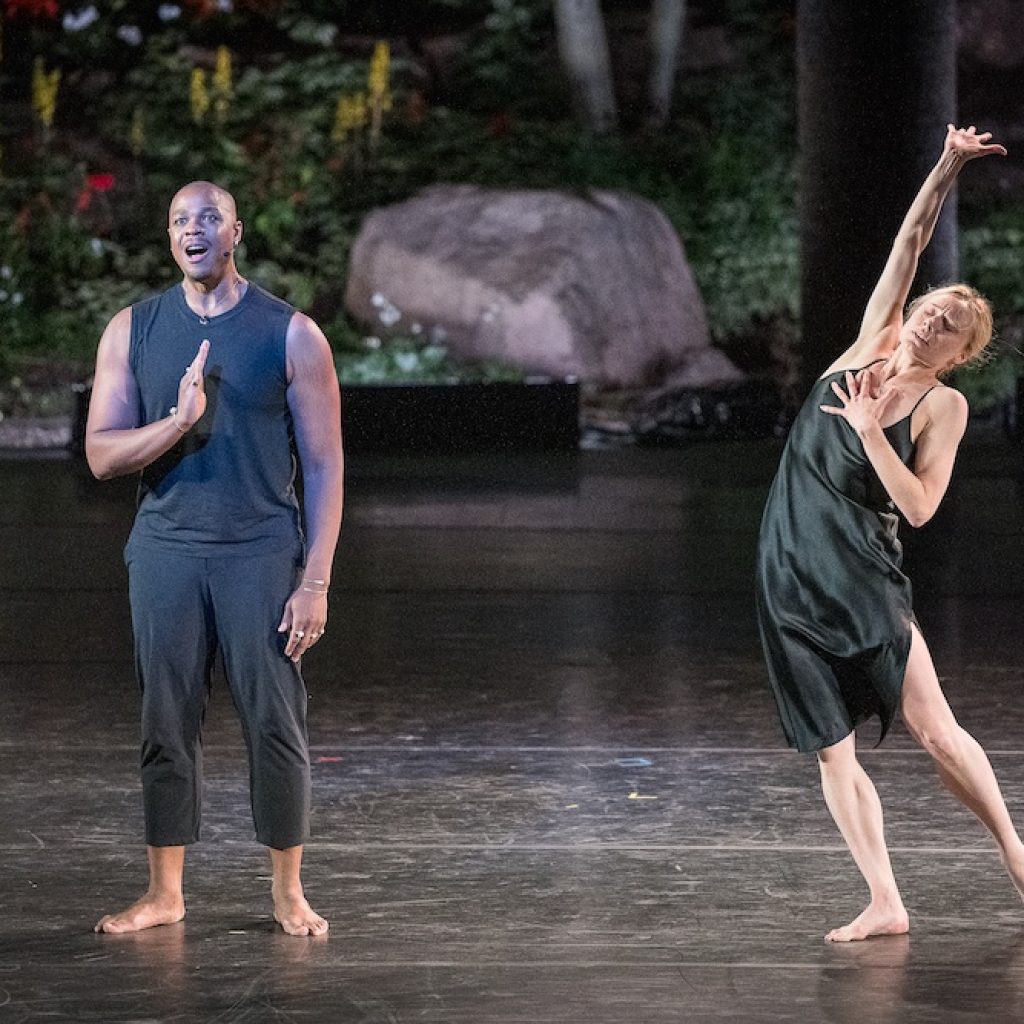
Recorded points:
(304, 619)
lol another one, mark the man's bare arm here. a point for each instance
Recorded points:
(315, 403)
(116, 443)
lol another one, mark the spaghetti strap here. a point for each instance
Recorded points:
(852, 369)
(921, 399)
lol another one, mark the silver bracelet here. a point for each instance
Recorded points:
(174, 420)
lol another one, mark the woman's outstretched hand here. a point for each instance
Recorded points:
(967, 144)
(863, 406)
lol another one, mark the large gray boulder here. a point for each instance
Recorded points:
(595, 286)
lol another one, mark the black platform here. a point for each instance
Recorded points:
(460, 417)
(548, 781)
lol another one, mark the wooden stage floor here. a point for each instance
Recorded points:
(549, 784)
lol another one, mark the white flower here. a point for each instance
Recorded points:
(3, 295)
(406, 361)
(83, 19)
(17, 298)
(96, 245)
(227, 6)
(168, 12)
(372, 342)
(388, 313)
(438, 334)
(415, 328)
(131, 34)
(6, 272)
(325, 34)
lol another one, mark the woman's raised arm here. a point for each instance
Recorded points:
(884, 311)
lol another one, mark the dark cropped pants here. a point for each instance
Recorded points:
(184, 610)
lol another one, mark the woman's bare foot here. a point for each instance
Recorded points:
(1014, 864)
(296, 916)
(877, 919)
(152, 910)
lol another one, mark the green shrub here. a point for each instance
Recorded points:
(409, 360)
(723, 173)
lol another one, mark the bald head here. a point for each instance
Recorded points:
(205, 192)
(204, 231)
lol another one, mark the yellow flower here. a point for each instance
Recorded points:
(45, 86)
(222, 85)
(339, 130)
(380, 72)
(137, 134)
(199, 96)
(222, 75)
(349, 115)
(359, 110)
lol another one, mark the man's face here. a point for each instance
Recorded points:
(204, 230)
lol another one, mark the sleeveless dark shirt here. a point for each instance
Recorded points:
(227, 488)
(834, 607)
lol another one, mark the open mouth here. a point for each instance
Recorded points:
(195, 251)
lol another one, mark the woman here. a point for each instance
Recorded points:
(878, 433)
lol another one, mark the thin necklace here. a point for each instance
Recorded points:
(204, 318)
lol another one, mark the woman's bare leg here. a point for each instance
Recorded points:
(853, 801)
(963, 766)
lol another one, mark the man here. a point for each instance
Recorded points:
(219, 558)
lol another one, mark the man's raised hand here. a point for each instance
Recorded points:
(192, 391)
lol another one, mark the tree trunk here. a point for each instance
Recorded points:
(583, 46)
(666, 39)
(877, 86)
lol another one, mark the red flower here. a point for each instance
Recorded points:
(202, 8)
(499, 124)
(33, 8)
(93, 183)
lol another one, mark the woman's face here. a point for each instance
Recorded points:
(936, 332)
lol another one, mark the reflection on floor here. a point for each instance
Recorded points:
(548, 782)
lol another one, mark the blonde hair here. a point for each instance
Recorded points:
(978, 327)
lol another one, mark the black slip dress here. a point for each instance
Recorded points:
(834, 607)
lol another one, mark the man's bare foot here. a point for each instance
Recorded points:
(148, 912)
(297, 917)
(881, 919)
